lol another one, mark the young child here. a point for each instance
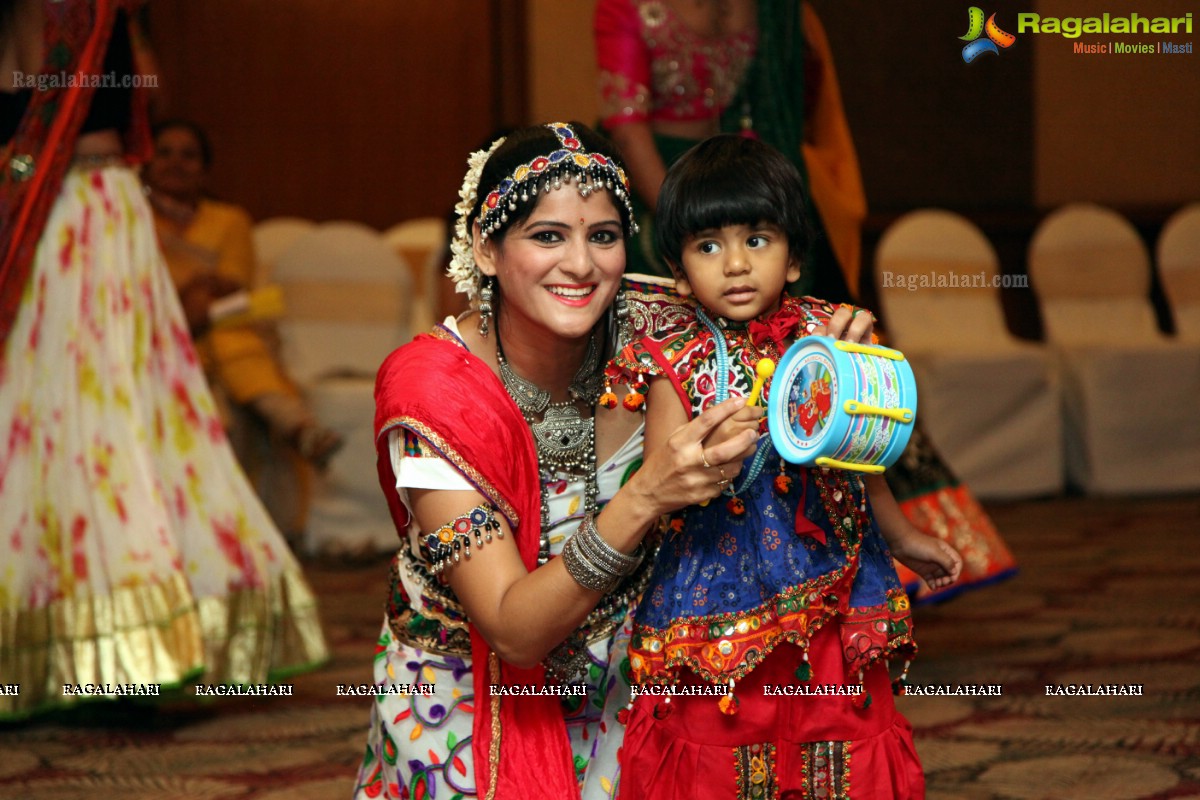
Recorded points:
(781, 591)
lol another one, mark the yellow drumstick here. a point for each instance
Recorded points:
(764, 369)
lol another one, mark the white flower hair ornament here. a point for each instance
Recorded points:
(462, 269)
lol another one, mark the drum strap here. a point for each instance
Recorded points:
(766, 449)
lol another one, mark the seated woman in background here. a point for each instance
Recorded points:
(210, 254)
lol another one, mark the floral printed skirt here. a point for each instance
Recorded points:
(419, 746)
(134, 550)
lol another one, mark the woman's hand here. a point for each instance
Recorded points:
(849, 323)
(689, 462)
(747, 418)
(197, 297)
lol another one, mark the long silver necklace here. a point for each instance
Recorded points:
(565, 440)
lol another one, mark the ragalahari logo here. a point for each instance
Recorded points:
(976, 28)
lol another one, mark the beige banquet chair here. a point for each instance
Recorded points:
(422, 243)
(1179, 269)
(346, 296)
(988, 400)
(1130, 393)
(271, 238)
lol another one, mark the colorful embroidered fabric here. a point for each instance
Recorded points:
(654, 67)
(685, 353)
(792, 551)
(928, 493)
(782, 743)
(425, 744)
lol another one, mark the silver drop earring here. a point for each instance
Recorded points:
(485, 306)
(621, 311)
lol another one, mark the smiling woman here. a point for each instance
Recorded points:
(556, 273)
(517, 494)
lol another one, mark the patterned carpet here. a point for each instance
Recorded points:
(1108, 594)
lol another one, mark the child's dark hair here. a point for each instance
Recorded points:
(729, 180)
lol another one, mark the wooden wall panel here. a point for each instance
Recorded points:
(1120, 129)
(931, 129)
(360, 109)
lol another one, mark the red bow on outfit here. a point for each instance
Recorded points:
(778, 328)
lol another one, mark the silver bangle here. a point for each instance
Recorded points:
(603, 554)
(586, 573)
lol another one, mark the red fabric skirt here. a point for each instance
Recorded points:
(774, 747)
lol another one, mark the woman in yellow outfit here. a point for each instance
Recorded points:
(210, 254)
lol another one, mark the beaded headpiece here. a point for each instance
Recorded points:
(570, 163)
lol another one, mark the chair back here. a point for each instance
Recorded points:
(1179, 269)
(347, 296)
(421, 242)
(1091, 273)
(937, 276)
(271, 238)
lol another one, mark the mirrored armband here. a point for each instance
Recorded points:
(448, 544)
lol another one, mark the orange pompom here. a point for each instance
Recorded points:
(728, 704)
(608, 399)
(633, 401)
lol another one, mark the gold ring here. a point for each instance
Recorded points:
(723, 482)
(704, 459)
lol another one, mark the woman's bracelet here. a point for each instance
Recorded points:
(593, 562)
(603, 553)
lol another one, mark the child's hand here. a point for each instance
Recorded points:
(936, 562)
(849, 323)
(746, 419)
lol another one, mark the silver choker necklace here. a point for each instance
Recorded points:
(532, 399)
(565, 440)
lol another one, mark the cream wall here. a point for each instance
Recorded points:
(1116, 129)
(562, 69)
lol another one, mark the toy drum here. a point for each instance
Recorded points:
(842, 405)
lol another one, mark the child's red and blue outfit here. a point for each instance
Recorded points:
(784, 590)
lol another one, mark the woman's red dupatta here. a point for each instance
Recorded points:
(435, 388)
